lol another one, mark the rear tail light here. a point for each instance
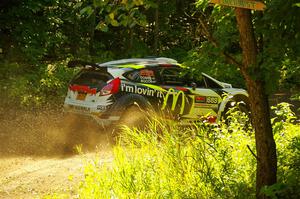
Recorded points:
(111, 88)
(83, 88)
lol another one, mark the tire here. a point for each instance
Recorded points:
(231, 110)
(134, 110)
(134, 116)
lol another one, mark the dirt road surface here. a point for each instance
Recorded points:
(39, 153)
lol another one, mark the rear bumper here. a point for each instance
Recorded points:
(103, 118)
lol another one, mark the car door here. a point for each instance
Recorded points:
(199, 101)
(176, 99)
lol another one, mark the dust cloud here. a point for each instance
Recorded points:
(49, 133)
(38, 155)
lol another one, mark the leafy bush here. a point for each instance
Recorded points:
(286, 133)
(27, 86)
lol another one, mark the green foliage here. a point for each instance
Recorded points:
(169, 161)
(203, 161)
(126, 13)
(278, 28)
(286, 134)
(237, 118)
(221, 36)
(206, 59)
(277, 32)
(34, 88)
(289, 73)
(35, 29)
(273, 191)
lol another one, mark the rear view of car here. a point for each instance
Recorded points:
(90, 93)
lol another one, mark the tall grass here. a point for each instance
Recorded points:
(200, 161)
(169, 161)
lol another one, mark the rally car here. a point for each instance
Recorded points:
(127, 90)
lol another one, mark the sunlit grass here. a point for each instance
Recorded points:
(170, 161)
(167, 160)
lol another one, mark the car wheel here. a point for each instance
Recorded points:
(134, 116)
(237, 111)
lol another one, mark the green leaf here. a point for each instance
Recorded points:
(112, 16)
(78, 5)
(297, 5)
(88, 10)
(138, 2)
(114, 23)
(102, 26)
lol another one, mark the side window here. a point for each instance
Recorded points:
(146, 76)
(172, 76)
(181, 77)
(133, 76)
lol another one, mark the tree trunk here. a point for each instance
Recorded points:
(265, 145)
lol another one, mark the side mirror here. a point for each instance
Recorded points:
(193, 85)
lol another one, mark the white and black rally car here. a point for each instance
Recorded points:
(127, 89)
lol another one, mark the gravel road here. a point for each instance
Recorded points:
(38, 153)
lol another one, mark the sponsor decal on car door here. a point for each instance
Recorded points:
(206, 102)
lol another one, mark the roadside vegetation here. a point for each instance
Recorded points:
(201, 161)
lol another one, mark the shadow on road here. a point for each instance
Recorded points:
(49, 133)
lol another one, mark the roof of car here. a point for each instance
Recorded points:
(137, 63)
(133, 63)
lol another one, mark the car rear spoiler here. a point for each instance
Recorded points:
(79, 63)
(85, 64)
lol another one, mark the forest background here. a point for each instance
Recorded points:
(39, 37)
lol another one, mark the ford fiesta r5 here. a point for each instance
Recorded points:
(120, 90)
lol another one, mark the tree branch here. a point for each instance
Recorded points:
(229, 58)
(252, 153)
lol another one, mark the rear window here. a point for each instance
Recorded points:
(93, 79)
